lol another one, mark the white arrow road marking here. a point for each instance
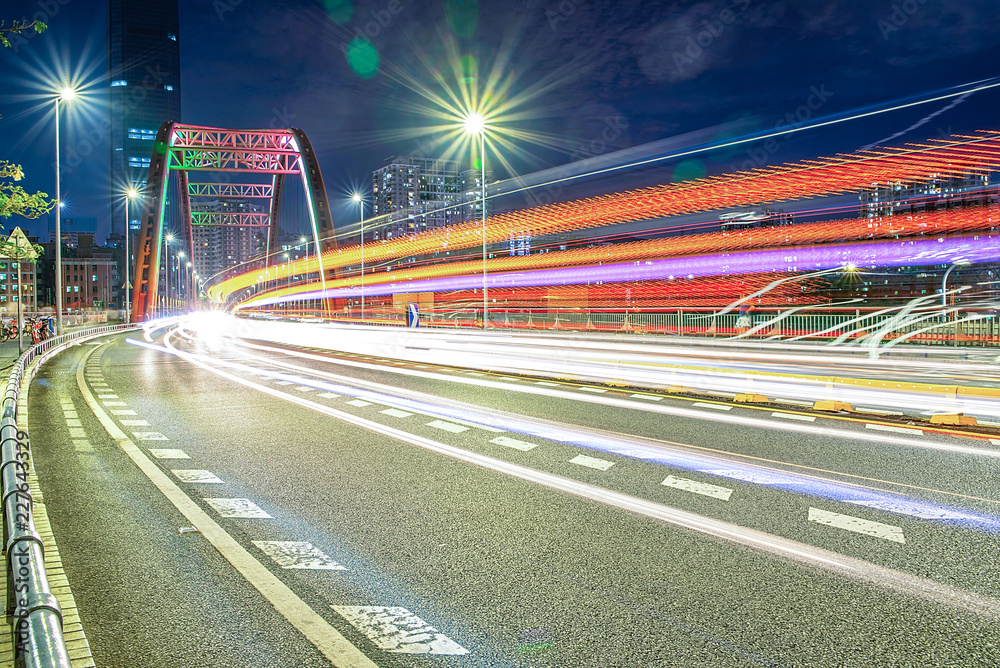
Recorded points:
(696, 487)
(398, 630)
(592, 462)
(237, 508)
(296, 554)
(514, 443)
(857, 525)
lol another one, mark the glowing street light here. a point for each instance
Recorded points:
(167, 238)
(475, 124)
(67, 94)
(361, 203)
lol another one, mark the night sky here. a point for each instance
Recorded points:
(586, 78)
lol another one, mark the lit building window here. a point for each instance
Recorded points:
(119, 82)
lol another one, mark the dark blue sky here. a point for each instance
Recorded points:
(602, 76)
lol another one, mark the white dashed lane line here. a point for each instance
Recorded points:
(359, 403)
(592, 462)
(714, 407)
(703, 488)
(149, 436)
(596, 390)
(395, 412)
(328, 395)
(514, 443)
(447, 426)
(647, 397)
(895, 430)
(305, 388)
(298, 554)
(168, 453)
(135, 423)
(237, 508)
(794, 416)
(122, 411)
(857, 525)
(114, 403)
(196, 476)
(397, 630)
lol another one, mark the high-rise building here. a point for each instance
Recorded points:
(145, 86)
(893, 198)
(218, 247)
(71, 229)
(471, 182)
(416, 194)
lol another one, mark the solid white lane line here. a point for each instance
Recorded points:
(447, 426)
(857, 525)
(297, 554)
(514, 443)
(697, 487)
(397, 630)
(715, 407)
(168, 453)
(794, 416)
(647, 397)
(335, 647)
(592, 462)
(895, 430)
(395, 412)
(237, 508)
(149, 436)
(196, 475)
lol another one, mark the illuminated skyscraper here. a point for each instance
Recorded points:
(145, 85)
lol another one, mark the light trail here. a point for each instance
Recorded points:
(660, 452)
(828, 561)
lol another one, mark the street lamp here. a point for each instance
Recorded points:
(67, 94)
(361, 203)
(129, 196)
(475, 124)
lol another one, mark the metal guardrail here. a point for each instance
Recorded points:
(31, 607)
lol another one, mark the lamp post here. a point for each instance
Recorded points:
(67, 94)
(944, 280)
(129, 196)
(361, 204)
(180, 273)
(475, 124)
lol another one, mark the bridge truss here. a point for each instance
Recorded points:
(187, 148)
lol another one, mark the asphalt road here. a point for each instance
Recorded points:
(461, 519)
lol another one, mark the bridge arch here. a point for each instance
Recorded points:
(189, 148)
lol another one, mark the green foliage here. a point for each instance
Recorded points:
(18, 27)
(15, 200)
(31, 253)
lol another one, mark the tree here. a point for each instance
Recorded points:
(18, 27)
(14, 199)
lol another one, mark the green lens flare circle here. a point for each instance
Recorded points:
(362, 56)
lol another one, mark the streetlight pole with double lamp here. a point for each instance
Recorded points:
(361, 203)
(66, 94)
(475, 124)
